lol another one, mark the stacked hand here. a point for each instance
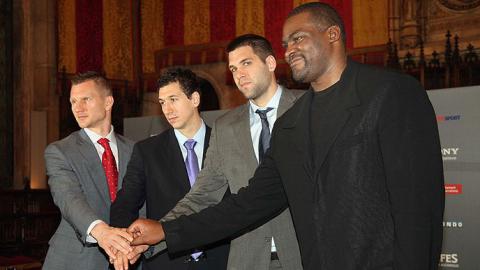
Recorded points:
(125, 246)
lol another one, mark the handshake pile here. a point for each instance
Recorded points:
(125, 245)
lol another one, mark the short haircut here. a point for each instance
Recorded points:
(185, 77)
(94, 76)
(323, 14)
(260, 45)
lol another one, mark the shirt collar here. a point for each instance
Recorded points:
(273, 103)
(94, 137)
(197, 137)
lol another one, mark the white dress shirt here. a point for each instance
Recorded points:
(94, 137)
(256, 125)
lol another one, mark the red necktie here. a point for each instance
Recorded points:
(110, 167)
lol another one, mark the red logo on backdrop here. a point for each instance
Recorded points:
(453, 189)
(442, 118)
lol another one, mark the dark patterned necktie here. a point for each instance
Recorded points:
(264, 141)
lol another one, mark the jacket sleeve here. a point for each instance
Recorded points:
(209, 188)
(130, 198)
(252, 206)
(412, 162)
(67, 192)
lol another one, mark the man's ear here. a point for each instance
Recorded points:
(195, 98)
(334, 33)
(271, 63)
(109, 103)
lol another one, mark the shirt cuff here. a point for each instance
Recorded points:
(90, 238)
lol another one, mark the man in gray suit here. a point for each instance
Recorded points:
(237, 143)
(83, 179)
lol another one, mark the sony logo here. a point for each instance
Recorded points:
(450, 153)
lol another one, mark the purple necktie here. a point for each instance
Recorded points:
(192, 170)
(191, 161)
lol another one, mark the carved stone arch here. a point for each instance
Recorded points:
(215, 85)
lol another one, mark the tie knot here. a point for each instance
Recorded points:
(190, 144)
(103, 142)
(263, 113)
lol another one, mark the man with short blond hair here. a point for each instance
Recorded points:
(85, 169)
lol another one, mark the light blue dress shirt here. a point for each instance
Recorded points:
(256, 122)
(199, 137)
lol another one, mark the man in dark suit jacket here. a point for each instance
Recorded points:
(234, 154)
(158, 170)
(356, 158)
(79, 183)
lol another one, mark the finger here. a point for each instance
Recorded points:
(121, 244)
(109, 252)
(125, 262)
(118, 263)
(137, 251)
(140, 240)
(124, 234)
(134, 259)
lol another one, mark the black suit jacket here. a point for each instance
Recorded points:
(156, 174)
(375, 197)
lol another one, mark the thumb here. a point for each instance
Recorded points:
(139, 240)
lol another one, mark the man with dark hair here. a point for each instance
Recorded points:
(235, 152)
(356, 158)
(163, 168)
(83, 179)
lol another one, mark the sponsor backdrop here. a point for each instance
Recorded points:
(458, 117)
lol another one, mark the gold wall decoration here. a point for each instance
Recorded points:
(249, 14)
(117, 39)
(196, 21)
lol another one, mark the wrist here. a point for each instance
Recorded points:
(98, 230)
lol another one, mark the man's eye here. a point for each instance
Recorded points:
(246, 63)
(297, 39)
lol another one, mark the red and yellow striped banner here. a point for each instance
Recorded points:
(95, 34)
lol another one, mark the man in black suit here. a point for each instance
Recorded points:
(356, 158)
(163, 168)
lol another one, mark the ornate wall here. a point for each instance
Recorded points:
(412, 21)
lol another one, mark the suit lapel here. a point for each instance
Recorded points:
(335, 118)
(122, 158)
(286, 101)
(90, 155)
(176, 161)
(338, 112)
(297, 130)
(241, 128)
(208, 131)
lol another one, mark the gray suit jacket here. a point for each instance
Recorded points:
(79, 189)
(231, 162)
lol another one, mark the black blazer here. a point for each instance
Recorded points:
(375, 197)
(156, 174)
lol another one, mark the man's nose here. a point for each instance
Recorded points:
(167, 108)
(288, 51)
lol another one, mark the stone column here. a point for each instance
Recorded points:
(34, 77)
